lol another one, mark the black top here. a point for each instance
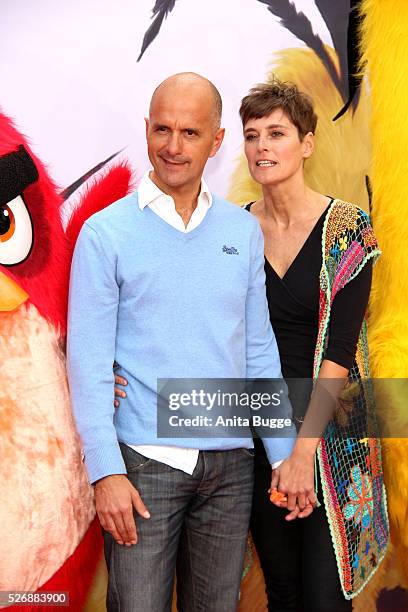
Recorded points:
(293, 303)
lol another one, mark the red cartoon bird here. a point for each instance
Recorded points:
(49, 536)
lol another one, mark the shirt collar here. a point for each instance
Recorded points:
(148, 192)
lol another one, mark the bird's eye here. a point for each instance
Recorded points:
(16, 232)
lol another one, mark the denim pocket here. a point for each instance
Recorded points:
(248, 451)
(133, 460)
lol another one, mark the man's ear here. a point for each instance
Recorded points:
(308, 145)
(147, 125)
(218, 138)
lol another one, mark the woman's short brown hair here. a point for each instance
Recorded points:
(263, 99)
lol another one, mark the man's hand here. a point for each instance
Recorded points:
(295, 479)
(119, 380)
(115, 498)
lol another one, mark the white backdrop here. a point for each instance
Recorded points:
(69, 74)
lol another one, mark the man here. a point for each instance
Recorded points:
(169, 282)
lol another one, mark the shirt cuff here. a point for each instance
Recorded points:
(104, 461)
(276, 464)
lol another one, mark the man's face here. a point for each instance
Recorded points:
(181, 135)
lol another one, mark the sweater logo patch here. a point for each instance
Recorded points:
(230, 250)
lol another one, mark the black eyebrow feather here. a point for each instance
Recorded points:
(17, 171)
(297, 23)
(160, 10)
(342, 18)
(68, 191)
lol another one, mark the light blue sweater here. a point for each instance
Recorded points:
(163, 304)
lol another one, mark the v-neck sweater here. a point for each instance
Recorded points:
(164, 304)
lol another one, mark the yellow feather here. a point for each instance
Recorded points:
(385, 45)
(341, 159)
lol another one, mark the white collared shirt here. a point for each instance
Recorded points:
(163, 205)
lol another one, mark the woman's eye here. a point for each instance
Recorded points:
(277, 134)
(16, 232)
(250, 137)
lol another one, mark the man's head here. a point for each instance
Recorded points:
(183, 130)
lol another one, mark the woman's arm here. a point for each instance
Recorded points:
(347, 316)
(297, 473)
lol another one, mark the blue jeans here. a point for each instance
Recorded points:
(198, 524)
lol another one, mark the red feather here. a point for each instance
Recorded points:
(111, 187)
(78, 570)
(44, 276)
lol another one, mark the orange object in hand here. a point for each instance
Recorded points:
(276, 496)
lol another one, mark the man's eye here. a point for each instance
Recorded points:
(161, 129)
(190, 132)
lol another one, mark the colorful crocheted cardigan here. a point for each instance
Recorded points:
(349, 457)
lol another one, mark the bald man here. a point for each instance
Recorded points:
(169, 283)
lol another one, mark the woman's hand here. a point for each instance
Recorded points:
(119, 380)
(294, 478)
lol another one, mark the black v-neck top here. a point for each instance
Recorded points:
(293, 302)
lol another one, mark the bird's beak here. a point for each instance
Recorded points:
(11, 295)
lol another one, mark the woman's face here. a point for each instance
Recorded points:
(273, 148)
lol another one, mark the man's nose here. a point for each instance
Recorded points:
(175, 144)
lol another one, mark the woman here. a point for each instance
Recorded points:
(318, 262)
